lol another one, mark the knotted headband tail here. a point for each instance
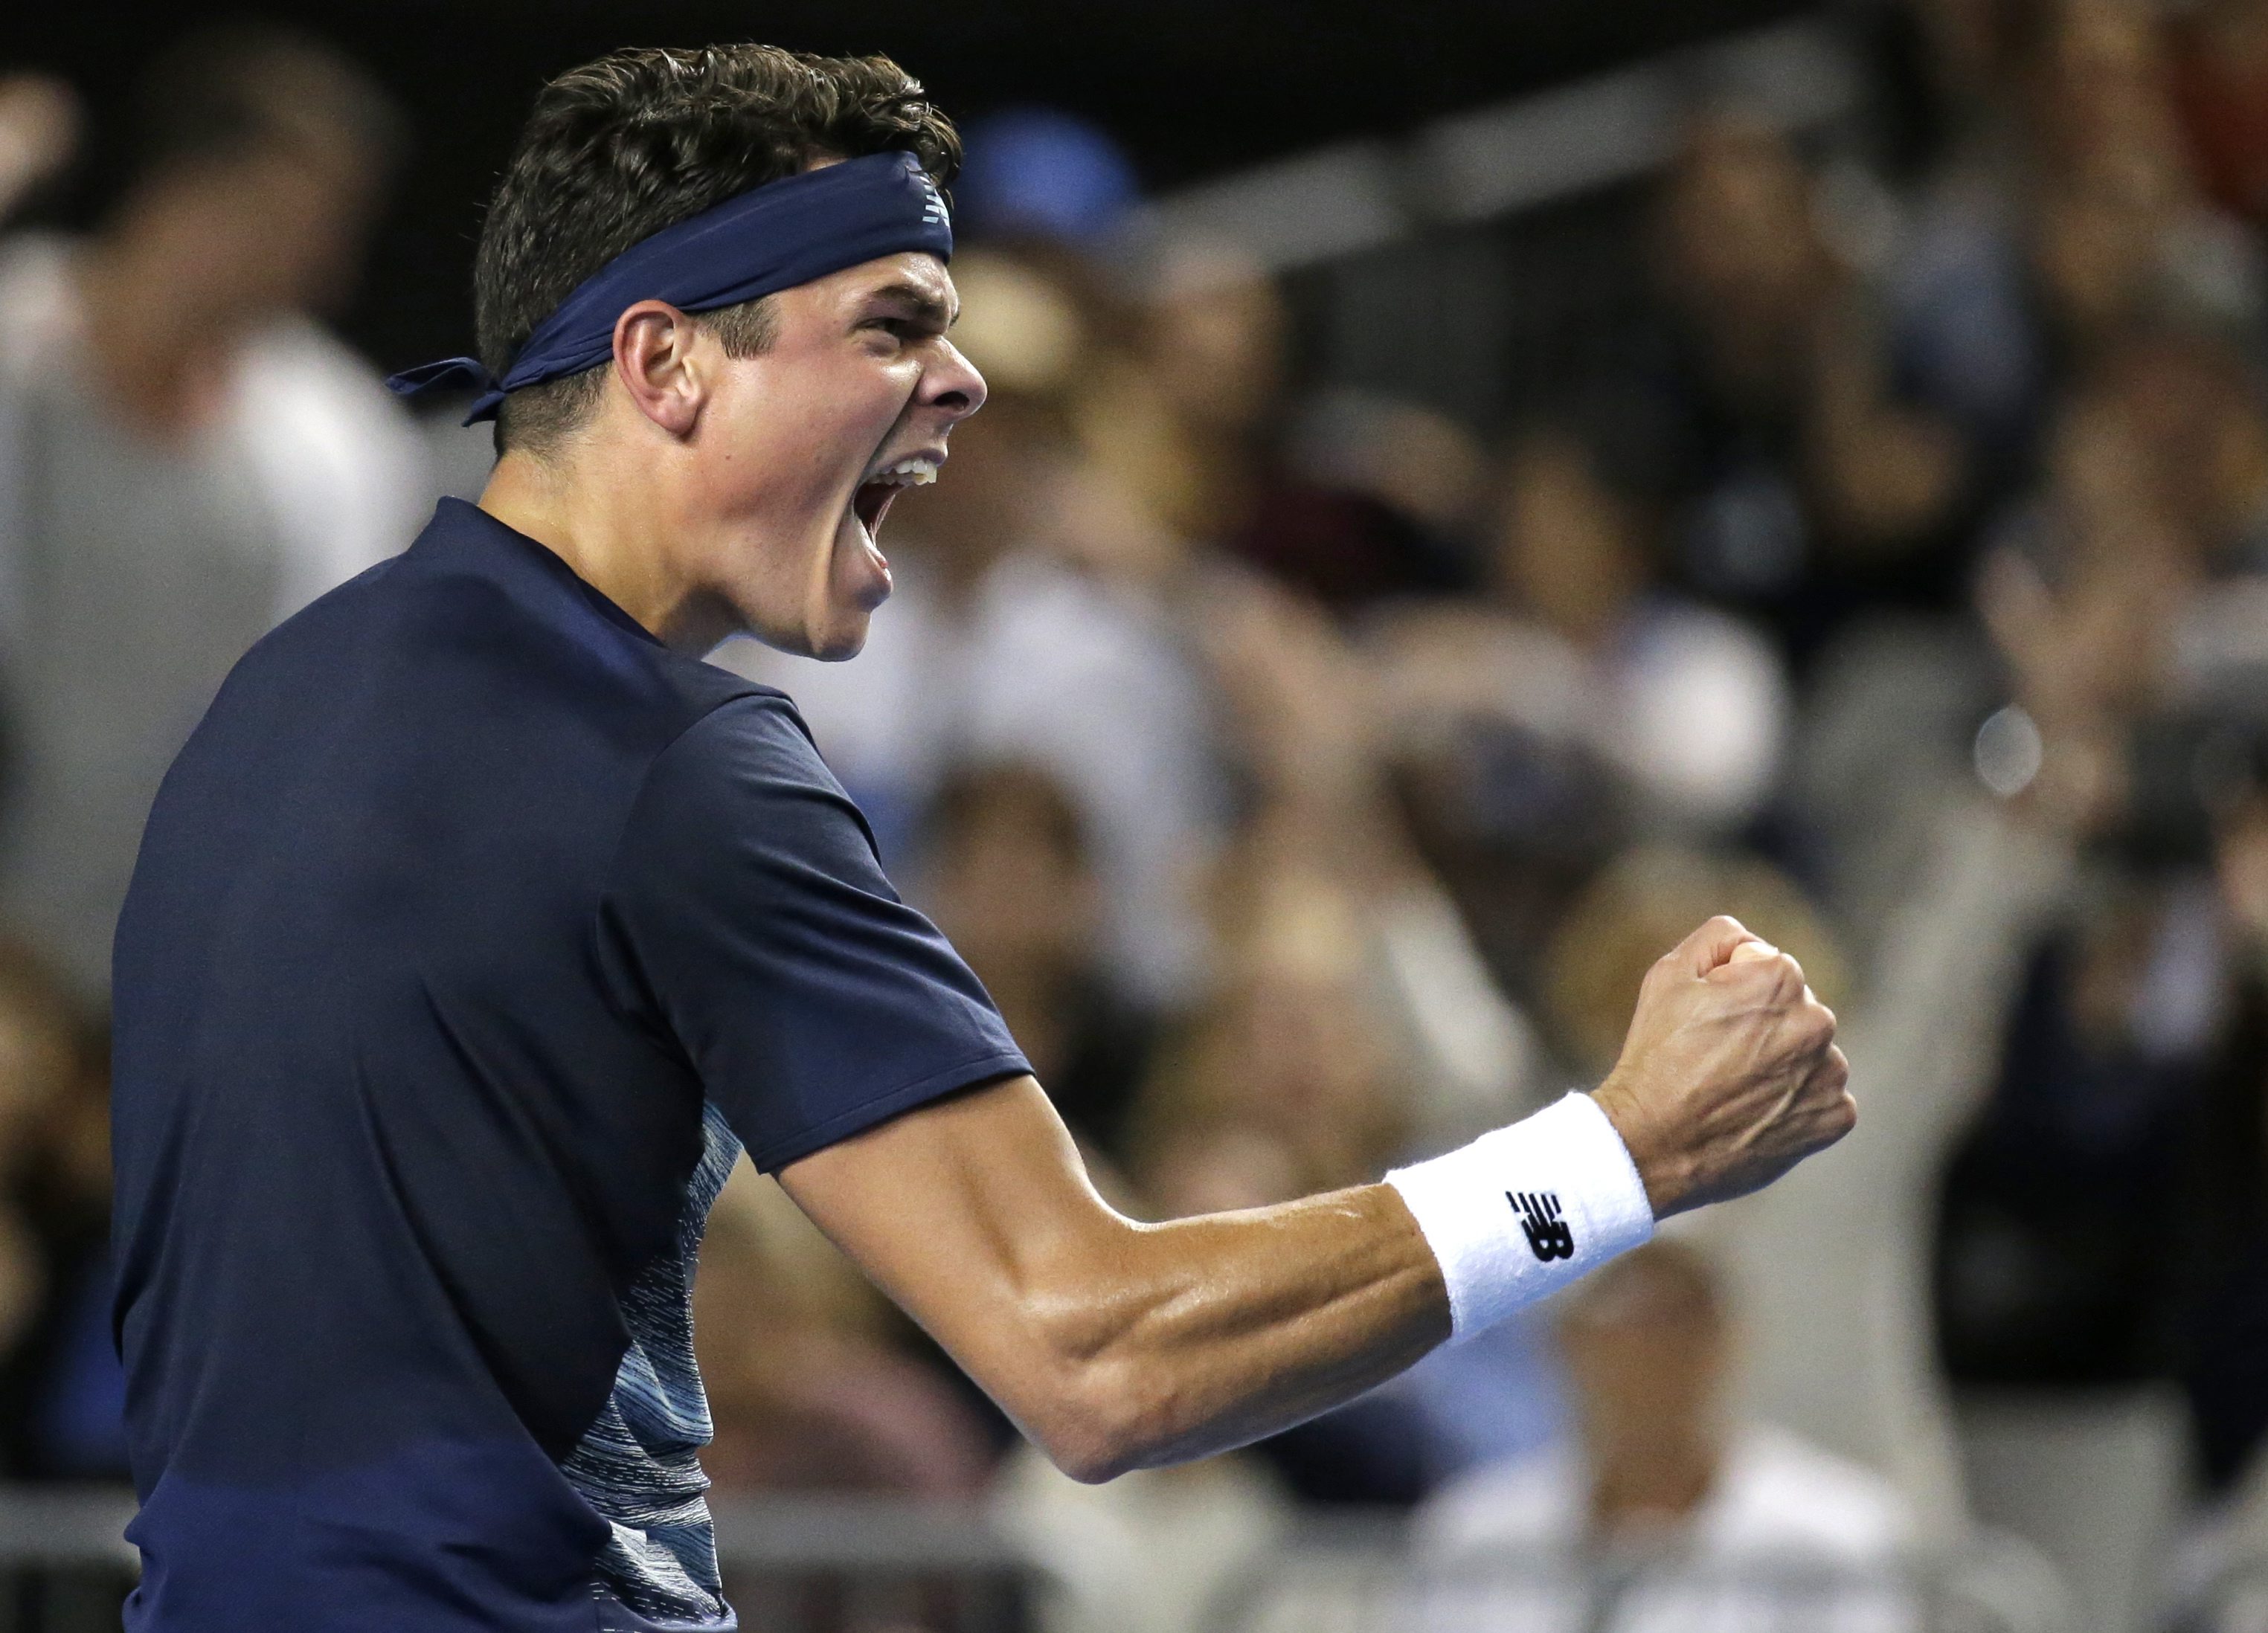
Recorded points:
(452, 372)
(754, 244)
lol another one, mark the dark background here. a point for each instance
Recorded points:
(1192, 87)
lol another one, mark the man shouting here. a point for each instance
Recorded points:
(482, 925)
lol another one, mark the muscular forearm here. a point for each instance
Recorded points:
(1155, 1344)
(1117, 1344)
(1209, 1333)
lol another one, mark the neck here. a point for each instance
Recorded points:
(155, 366)
(615, 533)
(1662, 1484)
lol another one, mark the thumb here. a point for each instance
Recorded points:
(1711, 946)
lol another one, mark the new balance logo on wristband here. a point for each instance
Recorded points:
(1547, 1234)
(1459, 1200)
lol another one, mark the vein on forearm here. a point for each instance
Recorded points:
(1228, 1327)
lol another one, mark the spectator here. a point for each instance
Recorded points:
(1198, 425)
(1701, 1521)
(2223, 1339)
(2015, 280)
(1838, 1270)
(2221, 80)
(1292, 1047)
(39, 134)
(40, 1056)
(1303, 728)
(62, 1392)
(1009, 877)
(1581, 644)
(2100, 1060)
(1352, 1021)
(184, 456)
(1811, 483)
(2042, 1282)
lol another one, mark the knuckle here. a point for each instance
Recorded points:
(1762, 975)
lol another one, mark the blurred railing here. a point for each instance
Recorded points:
(1363, 1578)
(791, 1565)
(1534, 149)
(65, 1565)
(863, 1566)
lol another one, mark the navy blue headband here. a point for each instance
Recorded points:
(755, 243)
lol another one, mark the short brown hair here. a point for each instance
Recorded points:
(620, 148)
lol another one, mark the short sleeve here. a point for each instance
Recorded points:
(748, 898)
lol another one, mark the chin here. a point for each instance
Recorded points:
(845, 641)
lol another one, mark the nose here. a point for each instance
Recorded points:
(951, 383)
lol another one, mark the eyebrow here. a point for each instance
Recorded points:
(926, 306)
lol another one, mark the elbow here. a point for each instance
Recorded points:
(1096, 1424)
(1086, 1378)
(1091, 1461)
(1098, 1412)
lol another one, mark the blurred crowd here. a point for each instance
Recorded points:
(1311, 777)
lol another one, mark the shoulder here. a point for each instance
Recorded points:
(1781, 1491)
(295, 363)
(1531, 1502)
(38, 309)
(745, 771)
(751, 737)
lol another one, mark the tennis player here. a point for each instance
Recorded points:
(482, 925)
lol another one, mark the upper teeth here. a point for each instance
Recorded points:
(908, 474)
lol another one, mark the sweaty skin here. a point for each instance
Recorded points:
(707, 494)
(1118, 1345)
(1113, 1344)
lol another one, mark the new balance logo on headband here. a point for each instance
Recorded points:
(770, 238)
(1548, 1236)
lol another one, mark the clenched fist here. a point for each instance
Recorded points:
(1730, 1076)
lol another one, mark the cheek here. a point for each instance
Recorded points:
(758, 454)
(792, 434)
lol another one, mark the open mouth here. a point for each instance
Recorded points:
(871, 502)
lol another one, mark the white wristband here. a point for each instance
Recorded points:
(1522, 1211)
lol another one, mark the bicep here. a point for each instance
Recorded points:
(1116, 1344)
(975, 1215)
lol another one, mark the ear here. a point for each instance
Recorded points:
(655, 347)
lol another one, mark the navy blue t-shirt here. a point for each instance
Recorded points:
(474, 933)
